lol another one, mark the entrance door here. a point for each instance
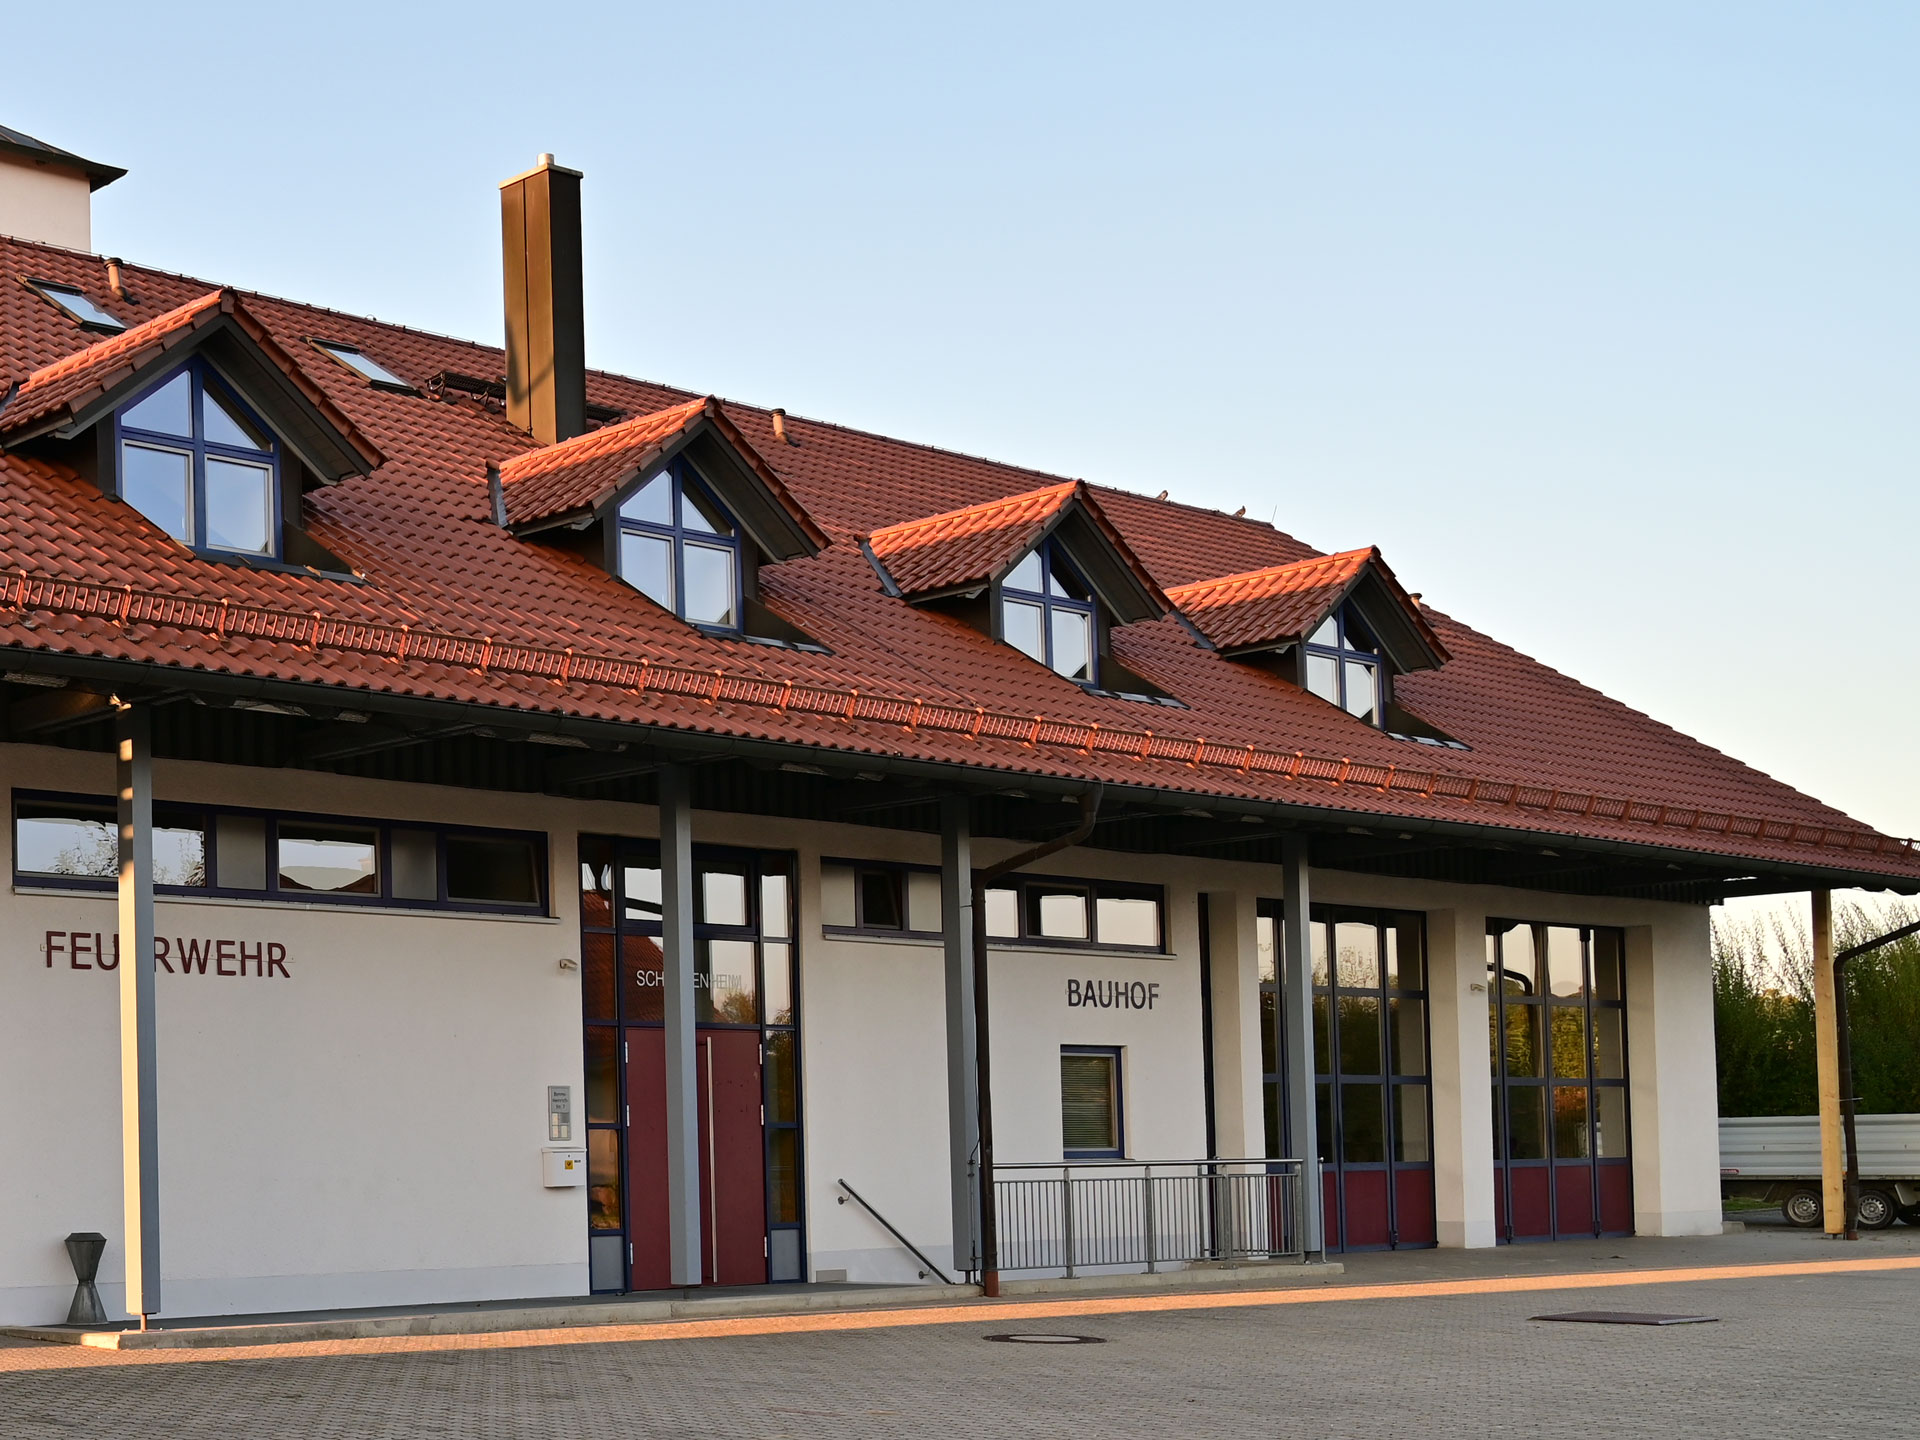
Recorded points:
(733, 1207)
(1562, 1154)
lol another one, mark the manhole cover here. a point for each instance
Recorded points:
(1630, 1317)
(1043, 1339)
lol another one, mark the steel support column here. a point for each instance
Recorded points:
(963, 1095)
(683, 1095)
(139, 1120)
(1303, 1141)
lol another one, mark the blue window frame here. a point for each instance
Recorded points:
(680, 548)
(1344, 666)
(1047, 612)
(200, 464)
(1092, 1115)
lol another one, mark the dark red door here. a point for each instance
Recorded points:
(733, 1191)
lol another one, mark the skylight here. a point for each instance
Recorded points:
(363, 366)
(77, 306)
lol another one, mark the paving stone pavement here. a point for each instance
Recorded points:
(1791, 1356)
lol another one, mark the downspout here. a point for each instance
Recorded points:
(1844, 1037)
(982, 878)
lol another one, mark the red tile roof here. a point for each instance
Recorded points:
(453, 608)
(961, 547)
(1283, 604)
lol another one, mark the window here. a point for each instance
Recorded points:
(1046, 611)
(90, 315)
(878, 898)
(679, 548)
(1090, 1119)
(196, 462)
(362, 365)
(1042, 910)
(1343, 666)
(73, 842)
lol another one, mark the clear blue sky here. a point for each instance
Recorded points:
(1601, 321)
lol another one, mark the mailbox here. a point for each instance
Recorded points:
(563, 1168)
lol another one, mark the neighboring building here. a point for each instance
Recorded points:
(547, 762)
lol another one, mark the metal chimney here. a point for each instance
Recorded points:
(546, 339)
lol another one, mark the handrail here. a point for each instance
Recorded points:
(1144, 1164)
(944, 1279)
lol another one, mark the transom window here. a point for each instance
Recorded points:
(679, 548)
(1343, 665)
(1046, 611)
(197, 463)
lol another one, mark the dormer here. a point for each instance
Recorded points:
(1337, 626)
(200, 421)
(1045, 572)
(676, 503)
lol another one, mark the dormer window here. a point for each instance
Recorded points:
(200, 465)
(1047, 612)
(1343, 665)
(679, 547)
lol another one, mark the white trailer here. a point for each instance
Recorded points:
(1777, 1158)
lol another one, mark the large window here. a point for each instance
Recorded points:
(679, 548)
(1045, 910)
(200, 465)
(1343, 666)
(73, 842)
(1090, 1114)
(1046, 611)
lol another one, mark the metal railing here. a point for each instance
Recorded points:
(1128, 1214)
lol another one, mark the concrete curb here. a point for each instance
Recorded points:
(1258, 1276)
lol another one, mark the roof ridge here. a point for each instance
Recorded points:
(1024, 497)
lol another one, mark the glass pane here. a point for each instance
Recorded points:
(221, 426)
(239, 506)
(776, 911)
(603, 1074)
(1356, 636)
(1569, 1042)
(1270, 1094)
(370, 368)
(783, 1106)
(1411, 1142)
(700, 514)
(1323, 1121)
(1606, 965)
(154, 482)
(240, 852)
(1406, 960)
(1119, 920)
(783, 1176)
(1360, 1035)
(1025, 575)
(1057, 913)
(1363, 1131)
(1517, 972)
(1269, 1016)
(1358, 949)
(1363, 690)
(80, 307)
(651, 504)
(725, 991)
(1525, 1060)
(710, 585)
(1566, 968)
(1526, 1122)
(1609, 1045)
(837, 904)
(646, 563)
(1570, 1140)
(596, 881)
(179, 847)
(1020, 628)
(1323, 677)
(1322, 1054)
(337, 859)
(603, 1179)
(416, 865)
(1003, 914)
(1063, 583)
(1327, 633)
(82, 841)
(493, 871)
(643, 979)
(640, 892)
(1321, 935)
(1611, 1119)
(1407, 1035)
(167, 411)
(776, 961)
(598, 982)
(880, 900)
(1088, 1114)
(723, 897)
(1073, 644)
(1268, 952)
(1499, 1126)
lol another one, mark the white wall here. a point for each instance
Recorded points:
(38, 202)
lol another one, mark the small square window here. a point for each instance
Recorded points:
(78, 306)
(880, 900)
(364, 366)
(1090, 1119)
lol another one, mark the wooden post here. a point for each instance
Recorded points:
(1833, 1164)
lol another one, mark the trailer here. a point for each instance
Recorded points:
(1777, 1158)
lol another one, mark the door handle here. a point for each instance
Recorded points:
(713, 1171)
